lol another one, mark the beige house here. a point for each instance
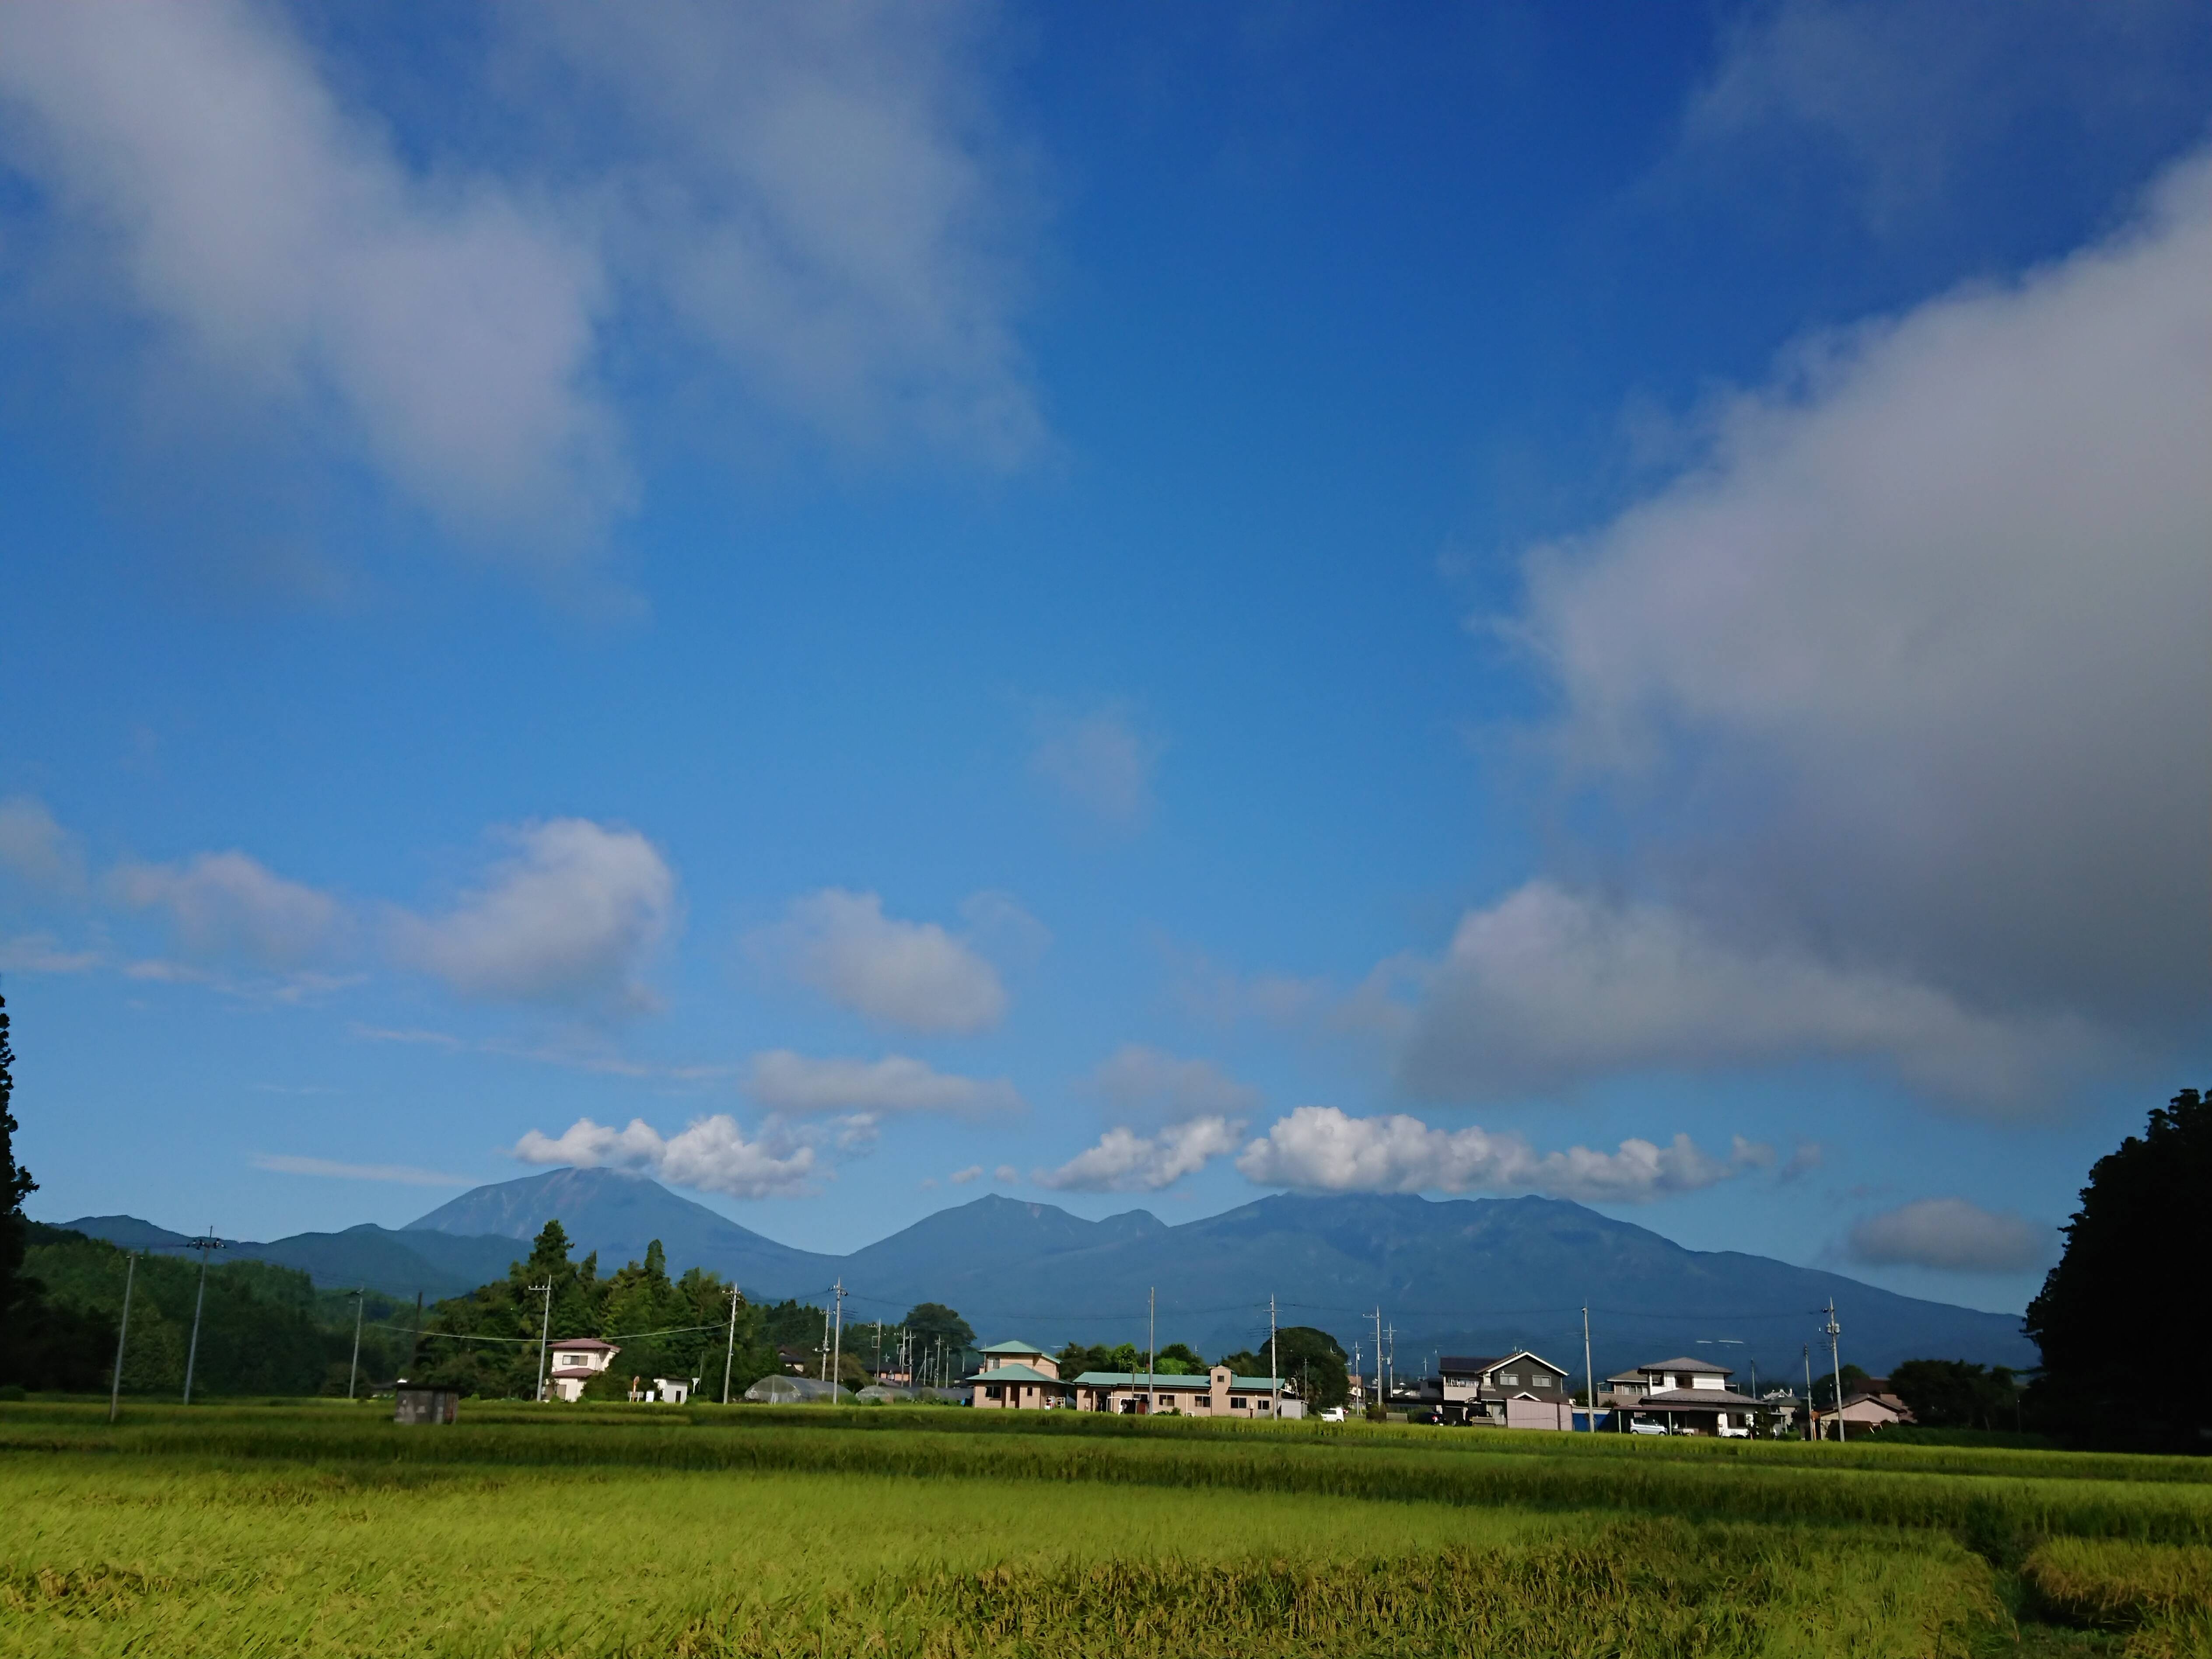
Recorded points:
(1219, 1393)
(1016, 1377)
(1872, 1407)
(576, 1361)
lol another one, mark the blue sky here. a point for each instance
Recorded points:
(856, 606)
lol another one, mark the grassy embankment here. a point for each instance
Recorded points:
(320, 1529)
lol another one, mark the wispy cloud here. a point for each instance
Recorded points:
(912, 975)
(400, 1174)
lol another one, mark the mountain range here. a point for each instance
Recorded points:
(1460, 1275)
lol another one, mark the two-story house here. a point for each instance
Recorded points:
(1480, 1388)
(1680, 1396)
(1016, 1377)
(576, 1361)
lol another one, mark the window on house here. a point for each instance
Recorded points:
(1510, 1379)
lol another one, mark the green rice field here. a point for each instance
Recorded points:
(321, 1528)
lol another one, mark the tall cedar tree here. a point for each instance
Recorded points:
(2132, 1248)
(16, 1183)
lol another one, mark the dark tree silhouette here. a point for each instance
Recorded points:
(16, 1183)
(2124, 1339)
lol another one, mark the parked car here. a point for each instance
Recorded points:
(1634, 1427)
(1332, 1414)
(1428, 1414)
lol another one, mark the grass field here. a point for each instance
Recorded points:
(317, 1529)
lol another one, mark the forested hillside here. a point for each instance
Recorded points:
(265, 1330)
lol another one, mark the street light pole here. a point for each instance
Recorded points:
(209, 1242)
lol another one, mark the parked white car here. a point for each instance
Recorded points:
(1333, 1414)
(1646, 1428)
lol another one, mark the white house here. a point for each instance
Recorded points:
(1680, 1396)
(576, 1361)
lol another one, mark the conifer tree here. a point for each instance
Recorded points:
(16, 1183)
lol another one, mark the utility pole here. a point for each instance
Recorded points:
(837, 1343)
(192, 1354)
(1382, 1404)
(1394, 1362)
(1358, 1373)
(730, 1348)
(824, 1349)
(123, 1329)
(1835, 1365)
(1274, 1363)
(1589, 1375)
(414, 1340)
(1811, 1423)
(1152, 1336)
(545, 1330)
(360, 1307)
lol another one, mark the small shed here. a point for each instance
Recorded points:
(426, 1405)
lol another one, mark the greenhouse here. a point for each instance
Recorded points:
(796, 1391)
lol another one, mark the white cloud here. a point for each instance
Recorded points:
(1099, 761)
(914, 974)
(818, 194)
(795, 1084)
(961, 1177)
(1951, 1233)
(810, 205)
(1005, 1174)
(38, 850)
(1140, 1082)
(442, 320)
(400, 1174)
(1547, 988)
(1124, 1161)
(712, 1155)
(228, 903)
(570, 918)
(1910, 665)
(1321, 1149)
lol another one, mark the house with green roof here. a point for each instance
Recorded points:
(1219, 1393)
(1017, 1376)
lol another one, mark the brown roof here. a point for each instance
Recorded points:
(575, 1371)
(579, 1344)
(1718, 1399)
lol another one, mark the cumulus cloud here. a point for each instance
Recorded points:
(961, 1177)
(914, 974)
(1953, 1234)
(1548, 988)
(1098, 761)
(229, 904)
(442, 320)
(569, 918)
(41, 854)
(712, 1155)
(1124, 1161)
(797, 1086)
(1909, 665)
(1321, 1149)
(1140, 1082)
